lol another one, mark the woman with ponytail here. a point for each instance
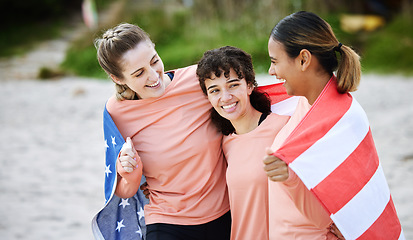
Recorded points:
(323, 166)
(317, 53)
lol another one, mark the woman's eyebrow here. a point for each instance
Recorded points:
(141, 68)
(135, 71)
(233, 80)
(212, 86)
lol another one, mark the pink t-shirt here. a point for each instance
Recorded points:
(294, 212)
(180, 150)
(247, 180)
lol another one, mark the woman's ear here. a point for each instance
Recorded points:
(305, 58)
(116, 79)
(250, 88)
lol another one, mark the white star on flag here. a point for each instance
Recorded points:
(140, 213)
(113, 141)
(112, 221)
(120, 225)
(124, 202)
(139, 231)
(107, 170)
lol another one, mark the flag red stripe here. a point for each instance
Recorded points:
(350, 177)
(315, 124)
(276, 92)
(389, 219)
(349, 185)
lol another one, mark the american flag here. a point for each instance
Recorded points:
(119, 218)
(281, 102)
(333, 153)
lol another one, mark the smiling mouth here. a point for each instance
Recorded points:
(154, 84)
(229, 106)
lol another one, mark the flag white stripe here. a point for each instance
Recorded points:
(362, 211)
(325, 155)
(285, 107)
(401, 237)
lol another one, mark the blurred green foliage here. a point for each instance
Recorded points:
(182, 33)
(25, 23)
(181, 37)
(390, 50)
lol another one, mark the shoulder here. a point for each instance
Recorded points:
(111, 102)
(303, 103)
(180, 72)
(302, 108)
(276, 118)
(113, 105)
(273, 124)
(185, 79)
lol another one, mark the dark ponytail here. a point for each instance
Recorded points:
(306, 30)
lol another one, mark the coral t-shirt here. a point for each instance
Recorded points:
(180, 150)
(247, 180)
(294, 212)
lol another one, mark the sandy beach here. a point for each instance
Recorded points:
(52, 161)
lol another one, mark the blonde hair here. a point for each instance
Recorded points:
(306, 30)
(115, 42)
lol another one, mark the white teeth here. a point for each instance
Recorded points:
(229, 106)
(153, 85)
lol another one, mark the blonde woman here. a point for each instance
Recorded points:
(164, 118)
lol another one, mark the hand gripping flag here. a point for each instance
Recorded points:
(119, 218)
(333, 153)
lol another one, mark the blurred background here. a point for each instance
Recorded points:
(53, 91)
(381, 31)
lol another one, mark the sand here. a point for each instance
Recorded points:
(52, 152)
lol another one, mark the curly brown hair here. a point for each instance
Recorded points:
(221, 61)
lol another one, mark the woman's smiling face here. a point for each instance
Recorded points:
(285, 68)
(143, 71)
(229, 95)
